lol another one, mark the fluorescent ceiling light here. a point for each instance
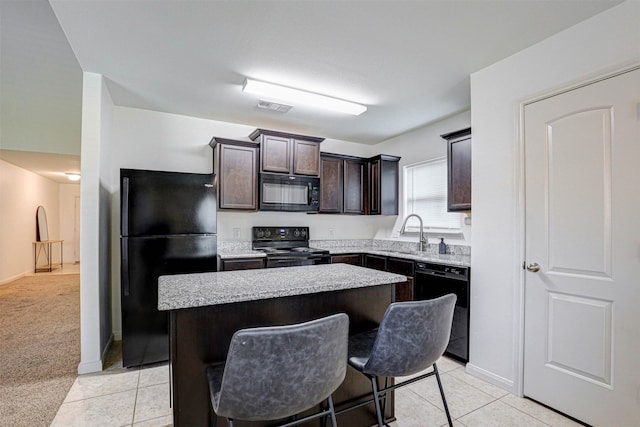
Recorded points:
(73, 176)
(295, 96)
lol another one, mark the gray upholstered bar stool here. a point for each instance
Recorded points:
(280, 371)
(411, 337)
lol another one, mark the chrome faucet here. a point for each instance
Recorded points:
(423, 240)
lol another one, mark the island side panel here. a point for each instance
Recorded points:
(201, 336)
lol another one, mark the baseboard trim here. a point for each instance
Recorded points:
(12, 278)
(96, 365)
(491, 378)
(90, 367)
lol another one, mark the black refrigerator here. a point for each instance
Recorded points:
(167, 226)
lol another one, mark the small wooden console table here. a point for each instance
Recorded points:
(45, 247)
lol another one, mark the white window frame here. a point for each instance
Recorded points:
(455, 219)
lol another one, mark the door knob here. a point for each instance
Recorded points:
(533, 267)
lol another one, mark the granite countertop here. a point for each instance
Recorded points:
(205, 289)
(450, 259)
(240, 253)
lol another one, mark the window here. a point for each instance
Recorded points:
(425, 194)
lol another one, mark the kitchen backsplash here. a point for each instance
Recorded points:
(233, 246)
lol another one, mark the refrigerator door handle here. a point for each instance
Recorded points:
(125, 205)
(125, 269)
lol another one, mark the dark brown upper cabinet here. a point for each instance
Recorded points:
(383, 180)
(354, 186)
(459, 170)
(331, 183)
(288, 153)
(341, 184)
(235, 164)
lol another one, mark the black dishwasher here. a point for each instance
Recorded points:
(435, 280)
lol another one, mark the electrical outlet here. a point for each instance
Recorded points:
(331, 230)
(236, 233)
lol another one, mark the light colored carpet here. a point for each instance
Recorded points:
(39, 347)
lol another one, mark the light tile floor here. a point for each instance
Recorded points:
(140, 397)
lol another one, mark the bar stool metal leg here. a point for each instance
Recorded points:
(334, 423)
(444, 401)
(376, 400)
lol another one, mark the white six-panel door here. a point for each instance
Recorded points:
(582, 305)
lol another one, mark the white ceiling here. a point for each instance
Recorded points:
(409, 61)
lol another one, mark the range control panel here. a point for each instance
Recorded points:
(276, 234)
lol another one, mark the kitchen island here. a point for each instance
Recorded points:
(207, 308)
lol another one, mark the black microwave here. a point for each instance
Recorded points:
(289, 193)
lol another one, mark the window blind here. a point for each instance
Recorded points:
(425, 193)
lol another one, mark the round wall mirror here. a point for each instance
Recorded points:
(42, 231)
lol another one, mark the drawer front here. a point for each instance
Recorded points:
(353, 259)
(242, 264)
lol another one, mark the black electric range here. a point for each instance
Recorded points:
(287, 246)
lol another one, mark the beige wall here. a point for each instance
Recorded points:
(68, 195)
(21, 192)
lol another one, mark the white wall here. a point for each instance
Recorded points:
(68, 194)
(601, 44)
(95, 190)
(21, 192)
(417, 146)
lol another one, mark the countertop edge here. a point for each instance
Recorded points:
(183, 291)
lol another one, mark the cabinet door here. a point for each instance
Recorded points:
(376, 262)
(353, 259)
(237, 177)
(459, 169)
(404, 290)
(331, 185)
(383, 180)
(353, 187)
(374, 187)
(276, 154)
(306, 158)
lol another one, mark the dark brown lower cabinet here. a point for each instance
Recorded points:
(377, 262)
(404, 290)
(240, 264)
(353, 259)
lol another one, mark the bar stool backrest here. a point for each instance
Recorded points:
(411, 337)
(276, 372)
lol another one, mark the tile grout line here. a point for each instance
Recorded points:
(427, 401)
(135, 400)
(495, 399)
(531, 415)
